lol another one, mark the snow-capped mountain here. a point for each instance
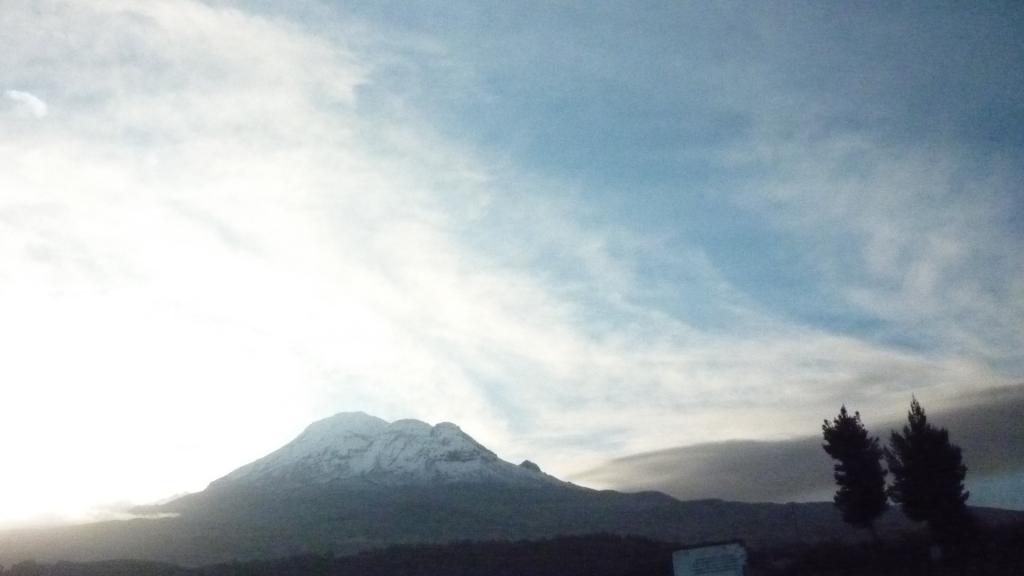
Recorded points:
(353, 481)
(356, 448)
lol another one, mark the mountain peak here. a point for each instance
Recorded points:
(355, 448)
(409, 426)
(356, 422)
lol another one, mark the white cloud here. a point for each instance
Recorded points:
(29, 102)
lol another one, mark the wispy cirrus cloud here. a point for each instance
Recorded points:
(29, 102)
(929, 246)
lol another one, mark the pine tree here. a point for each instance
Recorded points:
(858, 471)
(928, 475)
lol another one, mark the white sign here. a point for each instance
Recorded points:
(718, 560)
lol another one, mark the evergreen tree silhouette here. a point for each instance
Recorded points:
(859, 474)
(928, 474)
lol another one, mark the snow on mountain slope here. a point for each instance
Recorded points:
(356, 448)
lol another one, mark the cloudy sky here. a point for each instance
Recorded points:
(581, 231)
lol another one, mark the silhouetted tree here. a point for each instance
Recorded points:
(858, 471)
(928, 475)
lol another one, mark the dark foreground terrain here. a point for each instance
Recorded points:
(995, 551)
(596, 555)
(986, 551)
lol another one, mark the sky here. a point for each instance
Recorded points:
(580, 230)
